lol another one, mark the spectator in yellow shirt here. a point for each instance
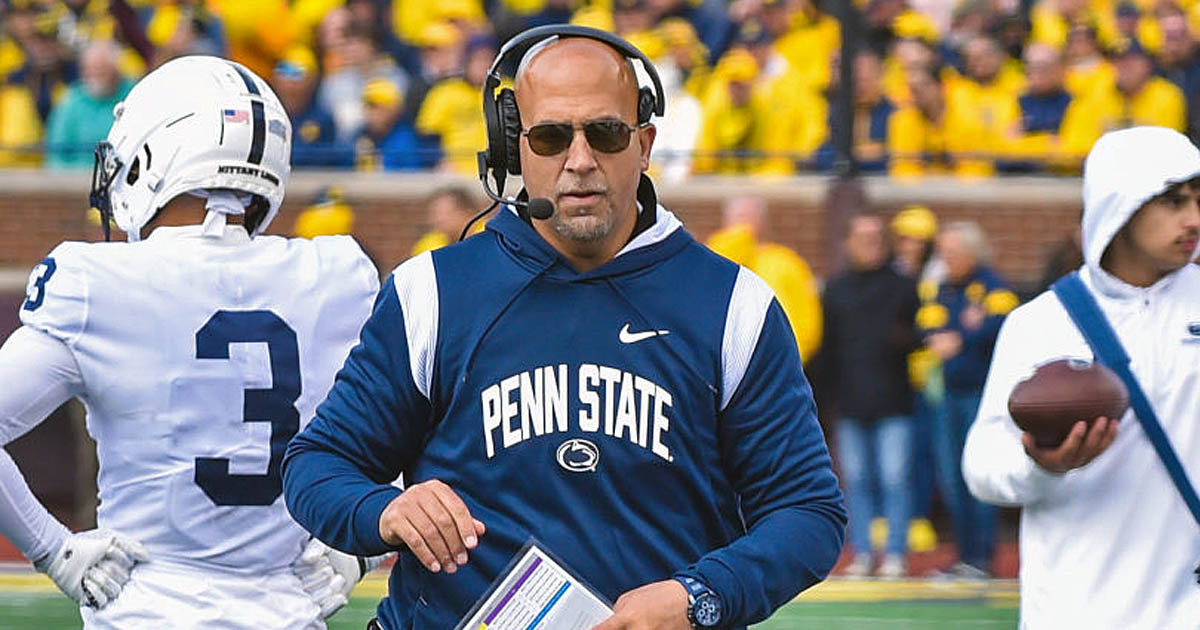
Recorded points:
(20, 126)
(411, 17)
(906, 57)
(988, 92)
(751, 124)
(740, 240)
(1087, 68)
(932, 135)
(1135, 97)
(450, 207)
(451, 111)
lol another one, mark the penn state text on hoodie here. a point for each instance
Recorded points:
(645, 419)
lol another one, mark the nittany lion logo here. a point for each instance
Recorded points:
(578, 455)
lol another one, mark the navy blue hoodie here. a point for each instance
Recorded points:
(645, 419)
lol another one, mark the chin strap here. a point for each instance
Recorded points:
(221, 203)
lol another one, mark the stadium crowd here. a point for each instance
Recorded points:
(970, 87)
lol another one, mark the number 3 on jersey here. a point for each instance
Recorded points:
(275, 405)
(35, 292)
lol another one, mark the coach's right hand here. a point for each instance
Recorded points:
(1083, 444)
(434, 523)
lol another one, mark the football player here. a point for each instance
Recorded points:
(199, 348)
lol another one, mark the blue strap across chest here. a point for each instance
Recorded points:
(1090, 320)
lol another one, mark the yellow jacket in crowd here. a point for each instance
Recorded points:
(956, 144)
(809, 47)
(20, 127)
(451, 112)
(410, 17)
(783, 120)
(786, 273)
(1158, 103)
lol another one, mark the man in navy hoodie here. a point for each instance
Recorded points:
(597, 380)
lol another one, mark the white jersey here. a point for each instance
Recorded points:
(201, 357)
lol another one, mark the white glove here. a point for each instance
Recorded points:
(328, 575)
(92, 567)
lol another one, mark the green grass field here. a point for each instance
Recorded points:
(27, 602)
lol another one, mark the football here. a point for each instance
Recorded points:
(1063, 392)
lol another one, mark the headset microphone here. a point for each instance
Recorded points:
(540, 208)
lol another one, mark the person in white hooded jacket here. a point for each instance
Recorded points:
(1106, 539)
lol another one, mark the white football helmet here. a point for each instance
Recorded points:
(196, 123)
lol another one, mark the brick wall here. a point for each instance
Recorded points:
(1023, 217)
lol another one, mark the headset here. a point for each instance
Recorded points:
(503, 155)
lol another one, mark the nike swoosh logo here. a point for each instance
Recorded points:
(633, 337)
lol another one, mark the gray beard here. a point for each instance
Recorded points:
(589, 229)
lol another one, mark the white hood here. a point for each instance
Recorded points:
(1124, 170)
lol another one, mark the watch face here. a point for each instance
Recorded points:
(707, 611)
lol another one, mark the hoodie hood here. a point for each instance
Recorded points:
(1124, 170)
(656, 237)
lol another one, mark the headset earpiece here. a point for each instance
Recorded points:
(645, 106)
(510, 123)
(493, 157)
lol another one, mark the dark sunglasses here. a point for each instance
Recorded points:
(605, 136)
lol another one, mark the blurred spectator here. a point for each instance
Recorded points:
(1136, 97)
(1034, 140)
(879, 17)
(258, 31)
(932, 136)
(411, 17)
(1087, 68)
(709, 18)
(742, 240)
(327, 214)
(84, 115)
(987, 94)
(913, 231)
(1179, 63)
(754, 125)
(350, 59)
(37, 59)
(1011, 31)
(443, 51)
(451, 110)
(387, 142)
(372, 17)
(960, 328)
(83, 22)
(534, 13)
(450, 207)
(809, 42)
(869, 124)
(971, 19)
(1053, 20)
(632, 18)
(184, 28)
(908, 56)
(20, 126)
(869, 314)
(1128, 15)
(683, 69)
(315, 141)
